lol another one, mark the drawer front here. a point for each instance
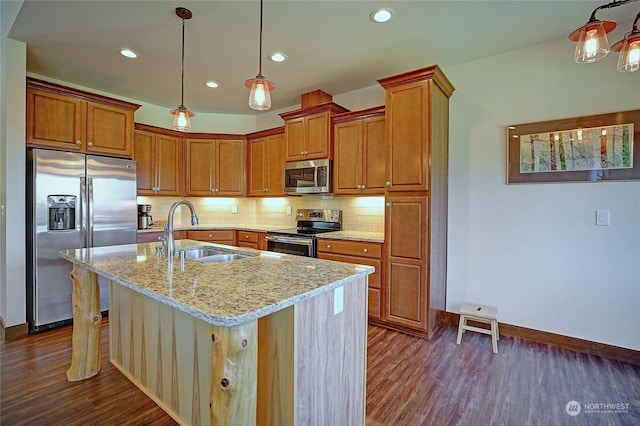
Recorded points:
(224, 236)
(351, 248)
(148, 237)
(247, 237)
(374, 278)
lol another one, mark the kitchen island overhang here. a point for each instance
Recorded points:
(260, 339)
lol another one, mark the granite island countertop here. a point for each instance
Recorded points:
(223, 294)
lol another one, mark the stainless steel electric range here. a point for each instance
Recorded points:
(301, 240)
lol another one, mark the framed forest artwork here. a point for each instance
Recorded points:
(582, 149)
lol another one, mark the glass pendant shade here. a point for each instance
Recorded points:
(182, 118)
(260, 95)
(629, 48)
(592, 41)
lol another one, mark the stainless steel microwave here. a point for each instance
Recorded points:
(307, 177)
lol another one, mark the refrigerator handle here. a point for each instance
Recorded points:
(90, 212)
(84, 209)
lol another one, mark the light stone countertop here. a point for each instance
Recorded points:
(374, 237)
(223, 294)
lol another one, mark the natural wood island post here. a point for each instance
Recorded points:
(85, 342)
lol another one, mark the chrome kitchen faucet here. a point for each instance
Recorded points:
(168, 244)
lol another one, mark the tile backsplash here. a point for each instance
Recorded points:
(358, 213)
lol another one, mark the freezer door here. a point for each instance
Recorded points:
(51, 173)
(111, 200)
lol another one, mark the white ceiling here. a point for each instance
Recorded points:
(331, 45)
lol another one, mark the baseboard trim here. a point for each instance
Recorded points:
(14, 332)
(566, 342)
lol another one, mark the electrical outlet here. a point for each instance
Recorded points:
(234, 209)
(338, 300)
(602, 217)
(289, 210)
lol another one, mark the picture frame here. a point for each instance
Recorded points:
(604, 147)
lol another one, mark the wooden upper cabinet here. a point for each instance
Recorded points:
(416, 118)
(215, 167)
(159, 158)
(359, 166)
(308, 132)
(72, 120)
(266, 163)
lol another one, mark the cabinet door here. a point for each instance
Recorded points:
(317, 136)
(294, 131)
(347, 177)
(229, 168)
(109, 130)
(168, 164)
(275, 165)
(407, 135)
(143, 153)
(200, 159)
(406, 242)
(55, 121)
(257, 164)
(373, 159)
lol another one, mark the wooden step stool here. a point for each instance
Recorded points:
(479, 313)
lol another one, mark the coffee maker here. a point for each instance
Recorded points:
(145, 220)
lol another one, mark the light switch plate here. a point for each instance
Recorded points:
(234, 209)
(602, 218)
(289, 210)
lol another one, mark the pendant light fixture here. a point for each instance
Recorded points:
(260, 97)
(629, 48)
(593, 44)
(181, 115)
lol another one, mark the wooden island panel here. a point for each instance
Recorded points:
(299, 365)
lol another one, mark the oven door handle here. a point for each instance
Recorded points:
(296, 241)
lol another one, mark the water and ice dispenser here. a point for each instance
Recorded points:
(62, 212)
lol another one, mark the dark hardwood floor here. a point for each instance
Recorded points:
(410, 381)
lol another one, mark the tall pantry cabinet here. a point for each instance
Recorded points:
(417, 138)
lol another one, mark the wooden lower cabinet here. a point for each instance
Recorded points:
(220, 236)
(416, 264)
(362, 253)
(152, 237)
(248, 239)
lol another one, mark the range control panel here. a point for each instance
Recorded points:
(319, 215)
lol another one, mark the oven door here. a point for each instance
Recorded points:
(299, 246)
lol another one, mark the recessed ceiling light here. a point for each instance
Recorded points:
(278, 57)
(211, 84)
(128, 53)
(381, 15)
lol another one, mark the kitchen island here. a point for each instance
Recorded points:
(266, 339)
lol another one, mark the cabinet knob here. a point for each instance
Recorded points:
(210, 236)
(159, 237)
(246, 237)
(388, 204)
(89, 143)
(388, 183)
(365, 251)
(328, 246)
(78, 142)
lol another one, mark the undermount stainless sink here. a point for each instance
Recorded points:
(198, 252)
(209, 255)
(222, 258)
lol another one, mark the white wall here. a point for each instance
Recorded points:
(533, 250)
(12, 171)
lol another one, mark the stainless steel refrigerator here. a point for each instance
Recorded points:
(73, 201)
